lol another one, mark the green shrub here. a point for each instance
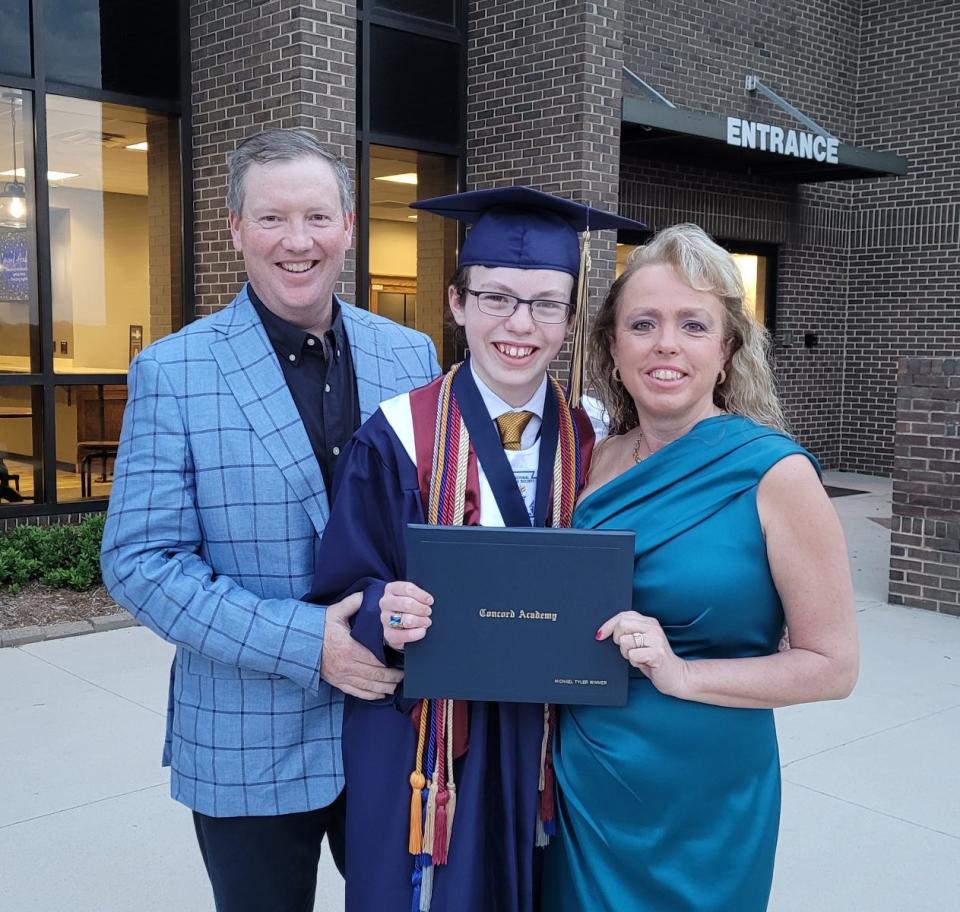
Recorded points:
(65, 557)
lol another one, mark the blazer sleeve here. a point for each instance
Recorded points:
(415, 357)
(432, 362)
(152, 556)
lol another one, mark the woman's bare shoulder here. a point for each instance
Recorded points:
(605, 464)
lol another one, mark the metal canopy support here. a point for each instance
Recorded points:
(648, 90)
(668, 133)
(754, 84)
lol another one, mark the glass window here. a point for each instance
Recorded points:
(122, 47)
(21, 468)
(401, 66)
(412, 254)
(19, 335)
(753, 271)
(437, 10)
(88, 420)
(114, 232)
(15, 37)
(623, 254)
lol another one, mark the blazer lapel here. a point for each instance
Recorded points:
(251, 370)
(373, 361)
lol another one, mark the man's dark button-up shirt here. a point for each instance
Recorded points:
(319, 373)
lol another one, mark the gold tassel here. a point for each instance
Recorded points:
(579, 357)
(417, 782)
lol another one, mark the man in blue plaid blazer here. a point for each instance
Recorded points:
(230, 435)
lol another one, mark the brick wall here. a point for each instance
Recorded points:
(811, 282)
(870, 266)
(904, 264)
(698, 54)
(9, 523)
(256, 65)
(925, 536)
(543, 106)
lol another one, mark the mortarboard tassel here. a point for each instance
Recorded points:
(579, 357)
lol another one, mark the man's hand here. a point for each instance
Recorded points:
(347, 665)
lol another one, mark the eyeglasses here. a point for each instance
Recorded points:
(497, 304)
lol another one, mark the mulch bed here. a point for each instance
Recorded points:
(41, 605)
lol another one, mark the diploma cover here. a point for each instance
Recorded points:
(516, 611)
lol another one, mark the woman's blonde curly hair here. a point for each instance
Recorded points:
(748, 388)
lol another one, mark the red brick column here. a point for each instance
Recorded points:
(925, 536)
(543, 107)
(256, 65)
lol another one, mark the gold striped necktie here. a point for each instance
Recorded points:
(511, 426)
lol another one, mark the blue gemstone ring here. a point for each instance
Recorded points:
(396, 620)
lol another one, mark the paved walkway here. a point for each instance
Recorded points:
(871, 811)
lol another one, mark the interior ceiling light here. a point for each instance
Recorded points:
(13, 206)
(13, 195)
(412, 217)
(138, 147)
(409, 177)
(51, 175)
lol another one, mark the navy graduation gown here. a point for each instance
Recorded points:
(492, 863)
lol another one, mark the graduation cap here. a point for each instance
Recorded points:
(523, 228)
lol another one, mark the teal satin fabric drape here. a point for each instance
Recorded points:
(668, 805)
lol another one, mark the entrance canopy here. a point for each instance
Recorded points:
(803, 153)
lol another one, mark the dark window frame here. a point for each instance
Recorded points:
(43, 383)
(109, 65)
(455, 34)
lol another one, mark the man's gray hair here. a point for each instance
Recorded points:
(282, 145)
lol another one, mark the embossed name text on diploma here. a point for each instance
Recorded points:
(521, 614)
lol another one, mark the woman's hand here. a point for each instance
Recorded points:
(404, 613)
(644, 645)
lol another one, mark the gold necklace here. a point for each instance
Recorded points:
(639, 457)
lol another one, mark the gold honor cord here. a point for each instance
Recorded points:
(578, 360)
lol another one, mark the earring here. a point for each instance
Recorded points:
(721, 377)
(616, 374)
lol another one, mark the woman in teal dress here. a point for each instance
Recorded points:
(672, 803)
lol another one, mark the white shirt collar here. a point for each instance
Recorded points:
(497, 407)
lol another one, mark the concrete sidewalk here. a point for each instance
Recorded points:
(871, 809)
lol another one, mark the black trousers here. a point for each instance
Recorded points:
(269, 864)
